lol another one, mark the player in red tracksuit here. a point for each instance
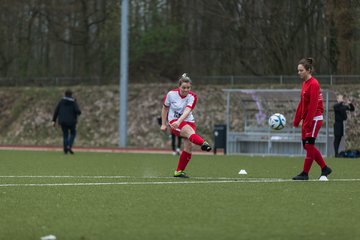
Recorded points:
(309, 111)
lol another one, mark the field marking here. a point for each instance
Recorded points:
(119, 177)
(126, 177)
(202, 180)
(159, 177)
(63, 176)
(106, 183)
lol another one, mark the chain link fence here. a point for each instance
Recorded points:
(280, 79)
(215, 80)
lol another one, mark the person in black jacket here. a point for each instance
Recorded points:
(66, 114)
(340, 109)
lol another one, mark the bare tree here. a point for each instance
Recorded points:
(42, 38)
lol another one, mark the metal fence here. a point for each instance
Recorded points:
(217, 80)
(52, 81)
(281, 79)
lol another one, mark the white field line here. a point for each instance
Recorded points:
(202, 180)
(49, 176)
(107, 183)
(127, 177)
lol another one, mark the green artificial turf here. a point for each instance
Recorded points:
(90, 196)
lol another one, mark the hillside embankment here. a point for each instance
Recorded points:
(26, 113)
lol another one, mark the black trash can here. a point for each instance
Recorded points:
(219, 137)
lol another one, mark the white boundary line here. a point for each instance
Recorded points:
(201, 180)
(107, 183)
(64, 176)
(126, 177)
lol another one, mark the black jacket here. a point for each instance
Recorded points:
(341, 116)
(67, 111)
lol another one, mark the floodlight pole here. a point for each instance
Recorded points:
(123, 91)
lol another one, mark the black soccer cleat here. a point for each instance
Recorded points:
(70, 150)
(206, 147)
(301, 176)
(326, 171)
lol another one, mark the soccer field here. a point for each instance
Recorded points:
(90, 196)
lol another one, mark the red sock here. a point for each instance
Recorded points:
(183, 160)
(196, 139)
(309, 157)
(318, 158)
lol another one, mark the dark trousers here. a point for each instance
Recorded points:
(337, 140)
(173, 142)
(69, 134)
(338, 133)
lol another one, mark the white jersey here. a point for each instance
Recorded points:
(177, 104)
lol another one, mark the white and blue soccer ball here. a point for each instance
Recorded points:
(277, 121)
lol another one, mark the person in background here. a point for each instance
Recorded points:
(66, 114)
(340, 109)
(309, 111)
(177, 113)
(176, 148)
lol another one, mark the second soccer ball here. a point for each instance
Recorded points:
(277, 121)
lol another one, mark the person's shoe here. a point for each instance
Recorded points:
(70, 151)
(180, 174)
(326, 171)
(206, 147)
(301, 176)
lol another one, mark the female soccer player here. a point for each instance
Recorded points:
(177, 112)
(309, 111)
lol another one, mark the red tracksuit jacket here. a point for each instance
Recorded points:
(310, 105)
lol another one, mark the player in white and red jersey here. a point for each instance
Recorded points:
(309, 111)
(177, 113)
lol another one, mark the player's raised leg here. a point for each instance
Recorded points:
(188, 131)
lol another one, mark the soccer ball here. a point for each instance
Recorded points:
(277, 121)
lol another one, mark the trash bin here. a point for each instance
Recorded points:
(219, 137)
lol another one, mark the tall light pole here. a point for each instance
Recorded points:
(123, 88)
